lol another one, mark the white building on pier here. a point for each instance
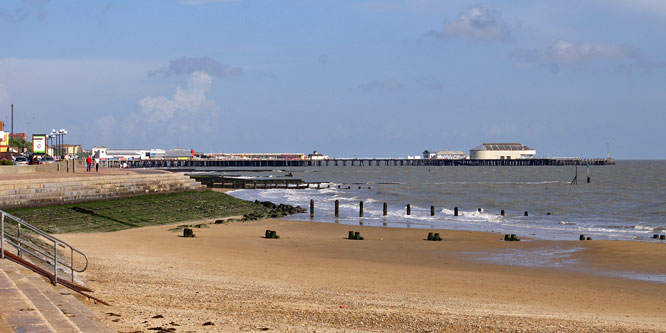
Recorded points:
(444, 154)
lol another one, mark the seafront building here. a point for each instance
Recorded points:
(317, 156)
(129, 154)
(501, 151)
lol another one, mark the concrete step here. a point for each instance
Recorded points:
(50, 311)
(84, 319)
(59, 309)
(17, 310)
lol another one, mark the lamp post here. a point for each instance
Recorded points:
(63, 132)
(53, 138)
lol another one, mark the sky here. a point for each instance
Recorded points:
(349, 78)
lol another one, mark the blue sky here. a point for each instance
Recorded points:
(348, 78)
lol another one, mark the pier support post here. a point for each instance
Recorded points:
(455, 211)
(409, 209)
(337, 208)
(311, 208)
(385, 209)
(432, 210)
(360, 209)
(588, 173)
(502, 212)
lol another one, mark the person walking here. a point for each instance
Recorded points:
(89, 162)
(96, 164)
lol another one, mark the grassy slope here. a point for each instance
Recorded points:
(152, 209)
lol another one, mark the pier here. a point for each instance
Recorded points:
(361, 162)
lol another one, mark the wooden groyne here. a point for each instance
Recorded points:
(251, 183)
(342, 162)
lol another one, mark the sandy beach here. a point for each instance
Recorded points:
(229, 278)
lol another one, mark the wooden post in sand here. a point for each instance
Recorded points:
(311, 208)
(385, 209)
(337, 208)
(432, 210)
(409, 209)
(360, 209)
(455, 211)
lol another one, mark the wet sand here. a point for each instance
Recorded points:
(313, 279)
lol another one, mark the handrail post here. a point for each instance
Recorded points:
(71, 262)
(55, 261)
(19, 239)
(2, 236)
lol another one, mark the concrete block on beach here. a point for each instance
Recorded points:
(434, 236)
(187, 232)
(355, 235)
(511, 238)
(271, 234)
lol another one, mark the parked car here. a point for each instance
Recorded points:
(46, 160)
(20, 160)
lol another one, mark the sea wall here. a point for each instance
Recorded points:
(49, 191)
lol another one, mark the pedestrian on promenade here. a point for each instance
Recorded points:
(96, 164)
(89, 162)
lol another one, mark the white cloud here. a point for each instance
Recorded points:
(187, 66)
(476, 23)
(565, 52)
(188, 100)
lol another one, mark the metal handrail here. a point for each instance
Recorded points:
(28, 248)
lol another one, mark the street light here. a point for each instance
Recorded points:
(53, 145)
(52, 136)
(63, 150)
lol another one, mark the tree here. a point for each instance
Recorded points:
(20, 144)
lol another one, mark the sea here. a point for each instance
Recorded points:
(626, 201)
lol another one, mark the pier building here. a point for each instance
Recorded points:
(501, 151)
(130, 154)
(444, 154)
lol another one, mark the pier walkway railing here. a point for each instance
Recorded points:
(19, 238)
(342, 162)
